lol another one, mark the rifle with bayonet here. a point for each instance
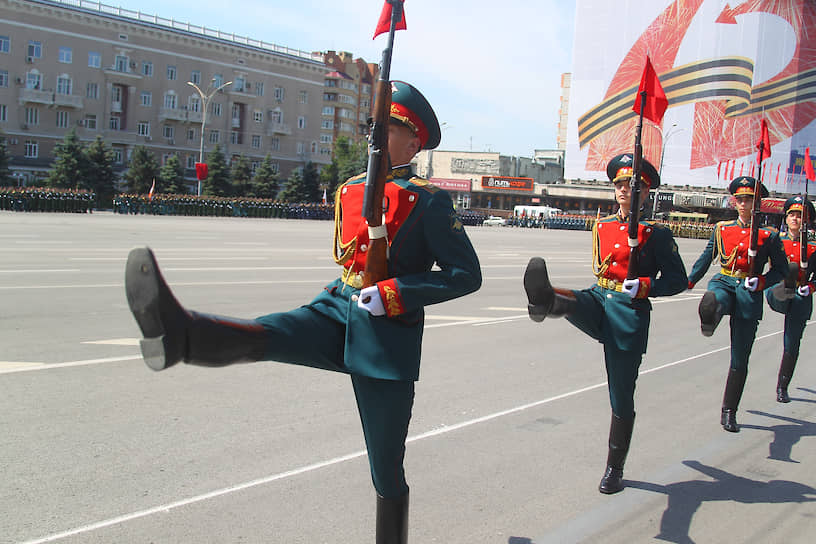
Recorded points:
(379, 163)
(634, 207)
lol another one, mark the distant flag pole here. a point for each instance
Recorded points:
(324, 196)
(384, 24)
(152, 190)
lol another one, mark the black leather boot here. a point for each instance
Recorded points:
(785, 374)
(733, 393)
(543, 300)
(173, 334)
(392, 520)
(620, 435)
(710, 313)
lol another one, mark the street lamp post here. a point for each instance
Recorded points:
(205, 101)
(665, 138)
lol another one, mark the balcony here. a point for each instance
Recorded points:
(172, 114)
(116, 106)
(35, 96)
(68, 101)
(194, 116)
(236, 122)
(278, 128)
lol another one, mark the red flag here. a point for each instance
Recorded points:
(201, 170)
(152, 189)
(811, 176)
(764, 144)
(656, 102)
(384, 24)
(778, 169)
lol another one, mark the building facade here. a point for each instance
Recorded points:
(130, 78)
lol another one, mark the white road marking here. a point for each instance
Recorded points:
(115, 342)
(45, 366)
(39, 270)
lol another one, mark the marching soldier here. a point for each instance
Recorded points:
(616, 311)
(733, 292)
(797, 309)
(374, 335)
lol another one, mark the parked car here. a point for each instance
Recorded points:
(493, 221)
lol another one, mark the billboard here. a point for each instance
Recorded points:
(504, 183)
(723, 69)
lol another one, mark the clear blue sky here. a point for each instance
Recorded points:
(492, 69)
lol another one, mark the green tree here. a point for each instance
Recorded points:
(293, 188)
(350, 158)
(241, 175)
(218, 181)
(6, 179)
(171, 177)
(100, 175)
(311, 183)
(142, 170)
(70, 168)
(264, 183)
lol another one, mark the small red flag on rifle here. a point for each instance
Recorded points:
(384, 24)
(152, 189)
(809, 174)
(764, 144)
(655, 103)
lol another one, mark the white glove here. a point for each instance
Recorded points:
(371, 301)
(751, 284)
(631, 287)
(803, 291)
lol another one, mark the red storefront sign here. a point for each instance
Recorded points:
(504, 183)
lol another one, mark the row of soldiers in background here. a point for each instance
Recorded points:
(46, 199)
(171, 204)
(680, 229)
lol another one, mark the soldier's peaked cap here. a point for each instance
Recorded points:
(620, 167)
(797, 204)
(746, 185)
(412, 109)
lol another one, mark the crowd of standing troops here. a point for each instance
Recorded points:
(171, 204)
(46, 199)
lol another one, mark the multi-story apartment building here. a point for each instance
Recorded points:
(127, 76)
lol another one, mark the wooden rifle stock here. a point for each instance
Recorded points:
(379, 164)
(632, 271)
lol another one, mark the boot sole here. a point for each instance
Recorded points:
(538, 305)
(708, 314)
(142, 290)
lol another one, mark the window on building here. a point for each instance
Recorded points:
(66, 55)
(90, 121)
(143, 128)
(194, 104)
(4, 78)
(5, 44)
(117, 155)
(64, 84)
(114, 123)
(325, 138)
(257, 116)
(303, 97)
(121, 63)
(190, 134)
(191, 160)
(63, 119)
(313, 147)
(170, 100)
(215, 136)
(116, 96)
(195, 77)
(32, 149)
(169, 131)
(279, 94)
(328, 110)
(94, 59)
(256, 141)
(301, 122)
(239, 84)
(300, 148)
(33, 80)
(327, 124)
(259, 88)
(92, 90)
(146, 98)
(274, 144)
(147, 68)
(35, 49)
(171, 73)
(3, 113)
(215, 109)
(218, 80)
(235, 137)
(32, 116)
(276, 116)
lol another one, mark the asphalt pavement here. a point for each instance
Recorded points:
(508, 438)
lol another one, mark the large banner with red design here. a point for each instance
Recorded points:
(724, 65)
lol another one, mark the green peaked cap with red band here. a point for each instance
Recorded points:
(620, 167)
(746, 185)
(411, 108)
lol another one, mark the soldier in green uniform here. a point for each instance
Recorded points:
(797, 307)
(616, 311)
(733, 291)
(373, 335)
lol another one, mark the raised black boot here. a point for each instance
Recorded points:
(392, 520)
(785, 374)
(733, 393)
(710, 313)
(543, 300)
(620, 435)
(173, 334)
